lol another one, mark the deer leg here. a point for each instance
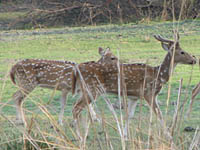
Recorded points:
(131, 110)
(62, 103)
(78, 107)
(152, 102)
(18, 97)
(26, 86)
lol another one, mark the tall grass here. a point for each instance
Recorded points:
(134, 42)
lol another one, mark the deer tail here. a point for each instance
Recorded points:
(12, 73)
(74, 80)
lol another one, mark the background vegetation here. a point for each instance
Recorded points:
(45, 13)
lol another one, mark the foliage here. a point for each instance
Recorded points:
(91, 12)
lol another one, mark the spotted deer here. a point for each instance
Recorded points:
(136, 80)
(31, 73)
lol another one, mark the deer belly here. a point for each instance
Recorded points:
(57, 85)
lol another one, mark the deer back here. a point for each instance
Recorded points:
(41, 72)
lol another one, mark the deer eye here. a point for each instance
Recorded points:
(182, 53)
(112, 58)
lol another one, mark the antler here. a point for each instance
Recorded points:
(176, 35)
(161, 39)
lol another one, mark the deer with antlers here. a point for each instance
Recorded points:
(31, 73)
(136, 80)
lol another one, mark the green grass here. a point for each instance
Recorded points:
(135, 43)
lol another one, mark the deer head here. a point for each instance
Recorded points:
(107, 56)
(173, 47)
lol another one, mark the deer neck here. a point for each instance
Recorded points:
(165, 69)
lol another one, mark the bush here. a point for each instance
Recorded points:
(90, 12)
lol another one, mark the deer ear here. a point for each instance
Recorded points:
(101, 51)
(165, 46)
(107, 50)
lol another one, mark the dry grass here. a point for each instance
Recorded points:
(145, 130)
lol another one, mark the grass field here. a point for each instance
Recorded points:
(135, 43)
